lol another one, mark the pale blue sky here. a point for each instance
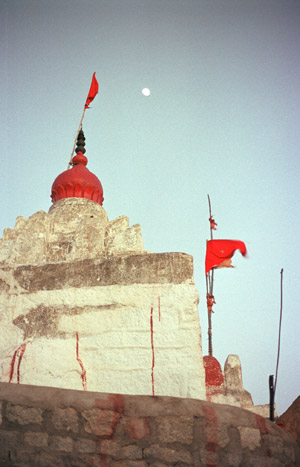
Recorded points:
(222, 118)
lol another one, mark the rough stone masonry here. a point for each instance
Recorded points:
(49, 427)
(83, 306)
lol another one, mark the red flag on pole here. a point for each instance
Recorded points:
(93, 91)
(220, 252)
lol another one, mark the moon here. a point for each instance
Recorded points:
(146, 92)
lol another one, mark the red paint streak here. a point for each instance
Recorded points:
(159, 309)
(152, 346)
(113, 402)
(83, 374)
(118, 404)
(211, 436)
(20, 349)
(12, 365)
(137, 428)
(261, 423)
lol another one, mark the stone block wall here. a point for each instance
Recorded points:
(55, 427)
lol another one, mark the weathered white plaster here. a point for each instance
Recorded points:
(114, 332)
(74, 228)
(138, 338)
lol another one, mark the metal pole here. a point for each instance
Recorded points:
(271, 389)
(279, 333)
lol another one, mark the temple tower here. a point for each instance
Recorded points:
(84, 306)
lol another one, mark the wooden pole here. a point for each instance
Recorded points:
(209, 332)
(209, 205)
(80, 125)
(209, 291)
(210, 348)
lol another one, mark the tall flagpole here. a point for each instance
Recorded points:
(91, 96)
(214, 261)
(209, 290)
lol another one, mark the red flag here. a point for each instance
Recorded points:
(220, 252)
(93, 91)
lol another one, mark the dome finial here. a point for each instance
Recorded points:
(80, 142)
(79, 157)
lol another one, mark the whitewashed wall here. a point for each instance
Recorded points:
(83, 306)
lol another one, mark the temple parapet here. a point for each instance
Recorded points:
(74, 229)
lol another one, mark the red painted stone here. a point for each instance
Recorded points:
(261, 423)
(137, 428)
(213, 371)
(211, 444)
(152, 346)
(77, 182)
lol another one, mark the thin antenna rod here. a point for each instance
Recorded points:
(272, 386)
(279, 335)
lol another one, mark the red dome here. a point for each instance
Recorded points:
(77, 182)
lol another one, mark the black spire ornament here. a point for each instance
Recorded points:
(80, 142)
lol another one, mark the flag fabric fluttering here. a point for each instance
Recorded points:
(213, 224)
(93, 91)
(220, 252)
